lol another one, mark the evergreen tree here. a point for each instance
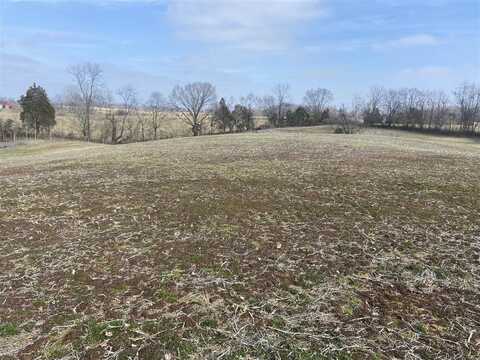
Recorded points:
(243, 118)
(299, 117)
(37, 111)
(223, 117)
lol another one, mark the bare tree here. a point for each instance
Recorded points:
(441, 110)
(74, 104)
(281, 94)
(436, 109)
(248, 103)
(412, 107)
(392, 104)
(372, 111)
(192, 103)
(107, 103)
(376, 96)
(156, 106)
(128, 102)
(468, 101)
(358, 104)
(8, 130)
(345, 121)
(141, 123)
(267, 106)
(88, 81)
(316, 102)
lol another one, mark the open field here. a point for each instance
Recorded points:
(68, 125)
(170, 125)
(282, 244)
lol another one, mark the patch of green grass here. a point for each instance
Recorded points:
(236, 355)
(217, 270)
(311, 278)
(97, 332)
(195, 259)
(56, 350)
(351, 306)
(278, 322)
(168, 336)
(173, 275)
(209, 323)
(166, 295)
(421, 327)
(8, 329)
(120, 289)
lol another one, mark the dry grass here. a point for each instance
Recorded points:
(69, 127)
(286, 244)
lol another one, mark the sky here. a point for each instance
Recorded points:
(242, 46)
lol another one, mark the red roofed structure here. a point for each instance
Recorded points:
(5, 104)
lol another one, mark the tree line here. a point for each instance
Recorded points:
(123, 118)
(195, 104)
(406, 108)
(412, 108)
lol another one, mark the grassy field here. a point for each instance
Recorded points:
(283, 244)
(68, 126)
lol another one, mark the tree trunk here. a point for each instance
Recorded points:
(196, 129)
(114, 132)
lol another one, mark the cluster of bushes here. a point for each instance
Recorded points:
(240, 119)
(8, 130)
(281, 113)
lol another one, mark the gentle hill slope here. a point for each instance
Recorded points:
(299, 244)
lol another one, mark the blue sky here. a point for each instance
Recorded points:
(242, 46)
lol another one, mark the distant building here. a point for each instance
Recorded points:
(5, 104)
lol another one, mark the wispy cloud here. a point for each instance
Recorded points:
(248, 24)
(244, 24)
(427, 71)
(34, 37)
(241, 45)
(409, 41)
(18, 71)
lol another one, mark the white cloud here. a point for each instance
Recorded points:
(416, 40)
(409, 41)
(248, 24)
(427, 71)
(245, 24)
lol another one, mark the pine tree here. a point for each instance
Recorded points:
(223, 117)
(37, 111)
(299, 117)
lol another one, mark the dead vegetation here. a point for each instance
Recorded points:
(287, 244)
